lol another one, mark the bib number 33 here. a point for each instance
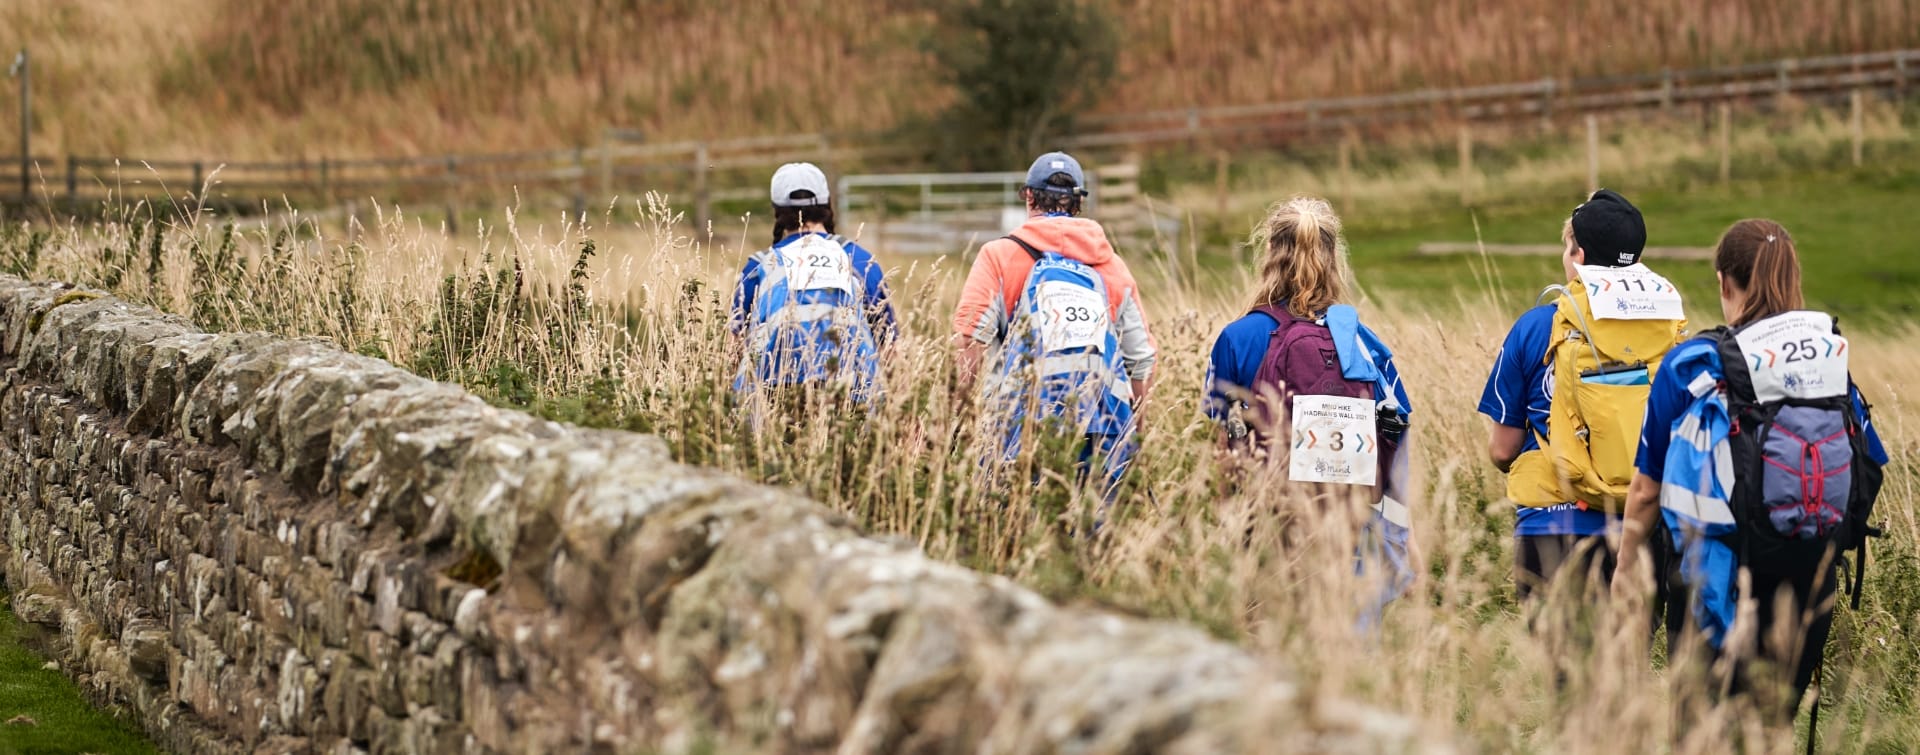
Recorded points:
(1070, 316)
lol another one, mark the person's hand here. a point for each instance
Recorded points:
(1629, 584)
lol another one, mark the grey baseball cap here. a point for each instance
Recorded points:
(798, 177)
(1053, 163)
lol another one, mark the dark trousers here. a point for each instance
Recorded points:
(1793, 636)
(1538, 560)
(1541, 560)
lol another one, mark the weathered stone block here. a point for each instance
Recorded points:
(38, 608)
(147, 645)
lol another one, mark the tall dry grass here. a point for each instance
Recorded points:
(240, 79)
(633, 336)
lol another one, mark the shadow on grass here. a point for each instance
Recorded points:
(41, 711)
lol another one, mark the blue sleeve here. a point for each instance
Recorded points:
(1390, 386)
(1223, 368)
(1875, 449)
(741, 311)
(878, 304)
(1505, 398)
(1667, 401)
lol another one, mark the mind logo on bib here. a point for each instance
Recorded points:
(815, 263)
(1795, 355)
(1333, 440)
(1631, 293)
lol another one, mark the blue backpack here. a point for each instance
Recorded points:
(808, 322)
(1062, 356)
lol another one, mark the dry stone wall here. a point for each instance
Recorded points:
(260, 544)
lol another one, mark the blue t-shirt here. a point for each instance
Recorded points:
(1668, 399)
(1236, 357)
(1519, 394)
(1237, 354)
(878, 306)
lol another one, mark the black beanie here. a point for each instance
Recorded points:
(1609, 229)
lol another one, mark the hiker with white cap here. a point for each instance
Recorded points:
(813, 307)
(1052, 319)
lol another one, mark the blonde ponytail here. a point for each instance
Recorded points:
(1305, 264)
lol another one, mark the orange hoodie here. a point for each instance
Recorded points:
(999, 276)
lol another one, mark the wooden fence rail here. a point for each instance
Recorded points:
(706, 171)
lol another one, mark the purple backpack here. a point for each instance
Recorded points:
(1300, 360)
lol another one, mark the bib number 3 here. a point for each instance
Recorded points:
(1334, 441)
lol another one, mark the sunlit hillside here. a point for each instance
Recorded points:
(235, 79)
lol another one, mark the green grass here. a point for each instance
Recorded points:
(1860, 258)
(62, 721)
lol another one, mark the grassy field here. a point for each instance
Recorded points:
(43, 713)
(1860, 262)
(243, 79)
(1794, 167)
(628, 331)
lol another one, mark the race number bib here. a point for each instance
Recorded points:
(1334, 440)
(1630, 293)
(1795, 355)
(814, 263)
(1070, 316)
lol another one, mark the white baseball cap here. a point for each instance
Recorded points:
(798, 177)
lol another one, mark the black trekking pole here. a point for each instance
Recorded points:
(1813, 717)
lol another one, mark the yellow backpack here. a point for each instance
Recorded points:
(1611, 328)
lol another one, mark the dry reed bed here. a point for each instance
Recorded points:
(634, 336)
(237, 79)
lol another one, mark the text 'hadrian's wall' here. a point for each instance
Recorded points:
(259, 544)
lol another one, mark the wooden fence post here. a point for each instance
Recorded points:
(1466, 164)
(326, 182)
(453, 180)
(198, 171)
(606, 166)
(1346, 172)
(1220, 182)
(1726, 143)
(1857, 124)
(1548, 88)
(1593, 153)
(701, 205)
(1900, 77)
(73, 181)
(580, 185)
(1783, 83)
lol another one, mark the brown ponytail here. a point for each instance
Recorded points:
(1305, 263)
(1758, 256)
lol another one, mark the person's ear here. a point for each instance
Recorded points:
(1578, 255)
(1721, 279)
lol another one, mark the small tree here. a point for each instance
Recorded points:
(1021, 71)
